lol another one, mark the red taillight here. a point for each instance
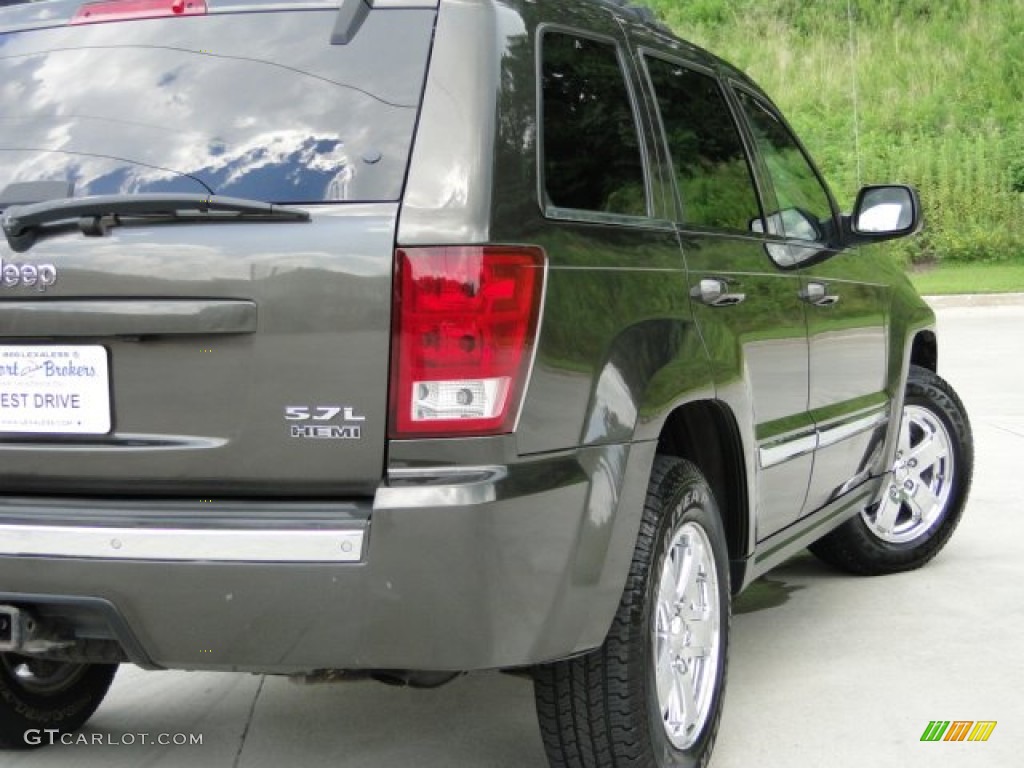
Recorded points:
(465, 323)
(122, 10)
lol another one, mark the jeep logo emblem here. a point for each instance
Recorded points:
(39, 276)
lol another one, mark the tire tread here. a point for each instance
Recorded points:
(588, 705)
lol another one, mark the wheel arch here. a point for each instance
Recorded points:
(706, 433)
(924, 351)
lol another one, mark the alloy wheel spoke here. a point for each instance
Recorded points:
(687, 698)
(684, 568)
(927, 453)
(675, 712)
(694, 601)
(667, 592)
(663, 626)
(665, 674)
(924, 503)
(888, 512)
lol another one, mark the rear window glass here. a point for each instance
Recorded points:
(254, 105)
(592, 158)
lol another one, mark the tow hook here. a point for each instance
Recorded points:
(22, 632)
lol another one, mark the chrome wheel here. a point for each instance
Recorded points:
(686, 635)
(921, 483)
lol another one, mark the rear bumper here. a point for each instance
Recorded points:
(443, 570)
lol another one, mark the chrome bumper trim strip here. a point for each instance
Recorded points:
(193, 544)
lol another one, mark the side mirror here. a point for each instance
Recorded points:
(885, 213)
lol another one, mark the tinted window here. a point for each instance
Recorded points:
(592, 155)
(254, 105)
(804, 209)
(707, 153)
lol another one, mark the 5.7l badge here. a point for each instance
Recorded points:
(325, 422)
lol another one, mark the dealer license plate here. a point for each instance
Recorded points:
(54, 390)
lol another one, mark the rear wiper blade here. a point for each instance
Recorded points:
(22, 224)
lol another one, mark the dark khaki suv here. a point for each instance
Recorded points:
(402, 338)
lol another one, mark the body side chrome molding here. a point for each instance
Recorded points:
(183, 544)
(780, 451)
(857, 424)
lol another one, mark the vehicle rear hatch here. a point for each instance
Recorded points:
(205, 354)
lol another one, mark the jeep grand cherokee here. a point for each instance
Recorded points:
(401, 338)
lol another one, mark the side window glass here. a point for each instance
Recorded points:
(710, 163)
(592, 158)
(804, 210)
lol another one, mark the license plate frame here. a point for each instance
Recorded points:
(55, 389)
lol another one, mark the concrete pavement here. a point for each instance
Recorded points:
(826, 669)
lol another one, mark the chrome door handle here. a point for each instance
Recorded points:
(714, 292)
(817, 294)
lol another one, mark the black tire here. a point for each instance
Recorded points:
(37, 695)
(602, 709)
(860, 546)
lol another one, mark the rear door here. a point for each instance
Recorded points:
(203, 357)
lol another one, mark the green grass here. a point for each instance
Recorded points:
(969, 278)
(936, 88)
